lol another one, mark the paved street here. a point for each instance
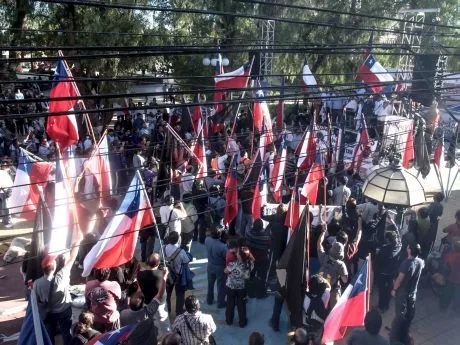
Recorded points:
(431, 326)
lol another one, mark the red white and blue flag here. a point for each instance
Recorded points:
(231, 192)
(33, 330)
(62, 127)
(372, 73)
(362, 141)
(293, 213)
(263, 122)
(31, 176)
(350, 309)
(63, 209)
(236, 79)
(408, 154)
(279, 166)
(311, 185)
(118, 242)
(306, 149)
(112, 338)
(308, 79)
(99, 166)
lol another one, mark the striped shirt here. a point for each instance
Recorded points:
(202, 325)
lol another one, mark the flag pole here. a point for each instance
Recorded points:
(32, 155)
(89, 127)
(369, 263)
(150, 209)
(242, 96)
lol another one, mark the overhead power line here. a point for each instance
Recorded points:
(101, 4)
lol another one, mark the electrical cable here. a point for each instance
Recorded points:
(101, 4)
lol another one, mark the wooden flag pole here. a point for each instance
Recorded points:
(150, 209)
(369, 281)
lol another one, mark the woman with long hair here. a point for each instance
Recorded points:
(238, 273)
(83, 329)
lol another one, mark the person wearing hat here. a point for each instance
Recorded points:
(53, 295)
(332, 267)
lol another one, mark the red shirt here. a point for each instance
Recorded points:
(453, 230)
(453, 260)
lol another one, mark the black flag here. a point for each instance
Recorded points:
(292, 270)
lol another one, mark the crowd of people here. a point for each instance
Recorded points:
(242, 255)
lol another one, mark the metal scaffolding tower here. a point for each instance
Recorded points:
(411, 37)
(267, 42)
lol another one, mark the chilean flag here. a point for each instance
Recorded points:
(362, 141)
(118, 242)
(350, 309)
(263, 121)
(62, 127)
(236, 79)
(31, 175)
(231, 192)
(279, 166)
(372, 73)
(112, 338)
(99, 166)
(308, 79)
(306, 149)
(316, 173)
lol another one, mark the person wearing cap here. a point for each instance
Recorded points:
(332, 266)
(53, 295)
(6, 184)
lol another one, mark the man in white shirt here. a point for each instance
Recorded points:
(166, 212)
(18, 95)
(178, 214)
(187, 180)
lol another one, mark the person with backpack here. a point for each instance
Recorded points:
(103, 297)
(176, 259)
(315, 307)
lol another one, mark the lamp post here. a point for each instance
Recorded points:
(216, 61)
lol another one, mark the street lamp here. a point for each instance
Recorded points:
(214, 61)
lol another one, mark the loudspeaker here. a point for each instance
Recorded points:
(423, 81)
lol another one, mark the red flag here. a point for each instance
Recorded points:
(439, 155)
(200, 151)
(231, 192)
(293, 213)
(408, 153)
(99, 166)
(62, 127)
(316, 173)
(350, 309)
(196, 117)
(362, 141)
(236, 79)
(306, 149)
